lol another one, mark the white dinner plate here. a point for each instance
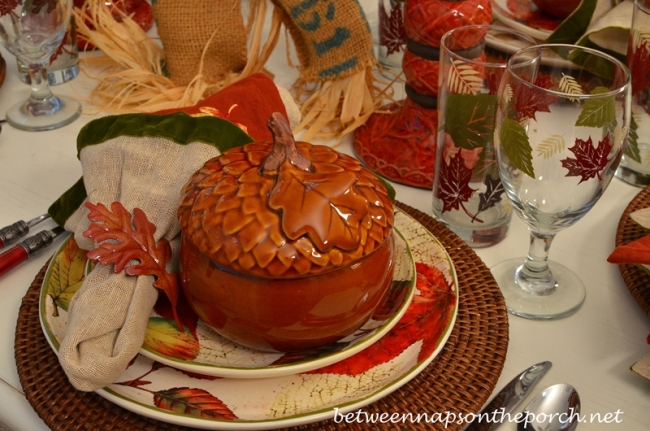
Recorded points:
(159, 391)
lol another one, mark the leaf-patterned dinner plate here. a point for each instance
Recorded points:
(153, 389)
(524, 16)
(211, 354)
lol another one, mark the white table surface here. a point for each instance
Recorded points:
(592, 350)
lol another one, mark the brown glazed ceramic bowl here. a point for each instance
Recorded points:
(285, 246)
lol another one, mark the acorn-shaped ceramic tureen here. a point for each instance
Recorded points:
(286, 245)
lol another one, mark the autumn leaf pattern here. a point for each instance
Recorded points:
(66, 275)
(639, 63)
(333, 197)
(425, 319)
(38, 5)
(6, 6)
(589, 160)
(123, 240)
(183, 400)
(392, 34)
(529, 101)
(454, 189)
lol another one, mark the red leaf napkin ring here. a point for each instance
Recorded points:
(131, 238)
(636, 252)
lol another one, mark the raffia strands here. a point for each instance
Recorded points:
(337, 89)
(128, 66)
(339, 106)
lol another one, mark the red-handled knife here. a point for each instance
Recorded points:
(19, 253)
(13, 232)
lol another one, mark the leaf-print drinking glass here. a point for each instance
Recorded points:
(467, 192)
(32, 30)
(562, 120)
(635, 165)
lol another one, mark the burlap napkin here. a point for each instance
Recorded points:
(143, 161)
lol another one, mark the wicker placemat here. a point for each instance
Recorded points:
(636, 279)
(460, 379)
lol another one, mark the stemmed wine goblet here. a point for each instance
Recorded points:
(562, 119)
(32, 30)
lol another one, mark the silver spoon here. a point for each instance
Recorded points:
(556, 408)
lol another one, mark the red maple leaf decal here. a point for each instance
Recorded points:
(124, 242)
(425, 319)
(392, 34)
(589, 161)
(6, 6)
(529, 100)
(37, 5)
(454, 187)
(639, 66)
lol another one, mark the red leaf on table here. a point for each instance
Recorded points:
(195, 402)
(636, 252)
(529, 100)
(122, 242)
(425, 319)
(589, 161)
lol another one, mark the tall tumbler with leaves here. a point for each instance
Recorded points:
(562, 120)
(467, 192)
(32, 30)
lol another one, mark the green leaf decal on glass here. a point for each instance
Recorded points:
(469, 119)
(597, 112)
(632, 147)
(516, 146)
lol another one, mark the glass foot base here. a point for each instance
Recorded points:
(633, 177)
(479, 238)
(565, 300)
(20, 118)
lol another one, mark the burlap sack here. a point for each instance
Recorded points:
(332, 39)
(187, 27)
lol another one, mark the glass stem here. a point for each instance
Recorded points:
(41, 100)
(534, 276)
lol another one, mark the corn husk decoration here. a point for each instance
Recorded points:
(207, 46)
(334, 47)
(137, 74)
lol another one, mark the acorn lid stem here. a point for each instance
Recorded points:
(284, 147)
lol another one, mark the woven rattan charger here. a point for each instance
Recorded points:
(460, 379)
(636, 279)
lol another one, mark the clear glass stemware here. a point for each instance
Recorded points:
(561, 125)
(32, 30)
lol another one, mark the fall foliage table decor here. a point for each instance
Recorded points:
(460, 378)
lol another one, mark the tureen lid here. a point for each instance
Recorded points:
(285, 208)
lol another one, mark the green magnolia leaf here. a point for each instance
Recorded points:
(516, 146)
(632, 147)
(597, 112)
(469, 119)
